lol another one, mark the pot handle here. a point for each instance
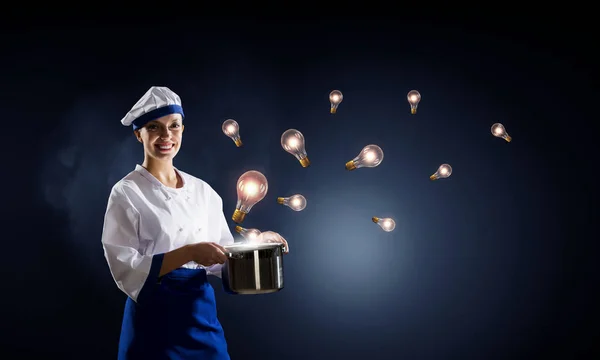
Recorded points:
(234, 256)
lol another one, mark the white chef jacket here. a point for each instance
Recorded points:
(144, 217)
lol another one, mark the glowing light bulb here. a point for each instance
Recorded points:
(232, 129)
(248, 234)
(295, 202)
(442, 172)
(292, 141)
(252, 187)
(335, 98)
(498, 130)
(414, 97)
(369, 156)
(387, 224)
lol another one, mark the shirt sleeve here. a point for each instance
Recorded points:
(226, 236)
(130, 270)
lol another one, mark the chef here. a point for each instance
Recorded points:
(164, 232)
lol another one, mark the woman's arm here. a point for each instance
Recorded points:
(175, 259)
(131, 270)
(226, 238)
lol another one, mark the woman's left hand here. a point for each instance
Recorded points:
(272, 237)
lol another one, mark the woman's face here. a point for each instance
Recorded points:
(162, 137)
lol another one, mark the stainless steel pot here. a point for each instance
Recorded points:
(253, 268)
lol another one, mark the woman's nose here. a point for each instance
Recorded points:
(165, 134)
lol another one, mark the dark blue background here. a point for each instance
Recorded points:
(494, 262)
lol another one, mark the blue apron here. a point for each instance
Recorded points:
(175, 320)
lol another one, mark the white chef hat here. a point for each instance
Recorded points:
(157, 102)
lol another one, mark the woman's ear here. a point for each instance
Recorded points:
(138, 135)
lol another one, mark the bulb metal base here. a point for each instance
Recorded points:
(280, 200)
(238, 229)
(304, 162)
(238, 142)
(238, 216)
(350, 165)
(333, 110)
(413, 111)
(433, 177)
(508, 138)
(375, 219)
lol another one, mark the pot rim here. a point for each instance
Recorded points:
(243, 247)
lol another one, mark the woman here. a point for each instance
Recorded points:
(164, 232)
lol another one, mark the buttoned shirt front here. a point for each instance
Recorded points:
(144, 218)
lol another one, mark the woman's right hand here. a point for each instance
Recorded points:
(207, 253)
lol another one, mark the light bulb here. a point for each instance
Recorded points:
(414, 97)
(387, 224)
(369, 156)
(232, 129)
(295, 202)
(292, 141)
(335, 98)
(252, 187)
(442, 172)
(248, 234)
(498, 130)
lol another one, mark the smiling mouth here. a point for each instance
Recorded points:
(164, 147)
